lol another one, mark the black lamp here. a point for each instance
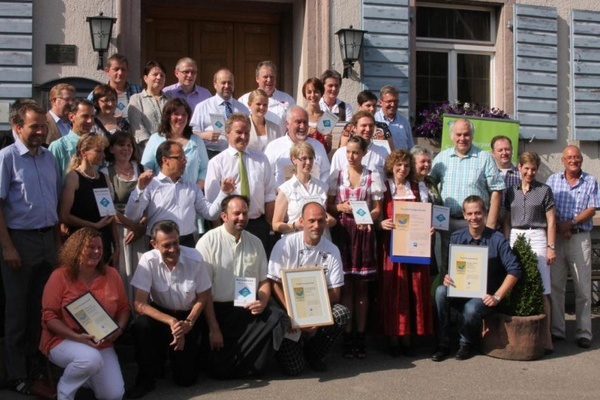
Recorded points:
(351, 41)
(101, 31)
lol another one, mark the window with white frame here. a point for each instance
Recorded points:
(455, 53)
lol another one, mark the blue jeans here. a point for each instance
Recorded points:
(473, 312)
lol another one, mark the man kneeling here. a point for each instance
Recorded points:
(503, 272)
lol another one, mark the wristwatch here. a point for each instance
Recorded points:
(497, 298)
(551, 246)
(573, 222)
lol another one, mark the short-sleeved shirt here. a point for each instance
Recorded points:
(573, 200)
(474, 174)
(226, 259)
(297, 195)
(528, 210)
(174, 289)
(291, 252)
(63, 149)
(400, 129)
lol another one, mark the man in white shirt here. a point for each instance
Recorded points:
(221, 103)
(239, 338)
(172, 289)
(261, 188)
(332, 80)
(279, 102)
(278, 151)
(297, 250)
(186, 72)
(169, 197)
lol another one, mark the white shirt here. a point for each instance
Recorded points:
(336, 108)
(278, 153)
(201, 122)
(225, 259)
(373, 160)
(176, 201)
(297, 194)
(175, 289)
(290, 252)
(260, 178)
(279, 104)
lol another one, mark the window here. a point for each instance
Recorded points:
(455, 53)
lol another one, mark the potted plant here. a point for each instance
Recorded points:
(515, 331)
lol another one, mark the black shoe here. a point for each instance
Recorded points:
(139, 390)
(557, 338)
(464, 352)
(584, 343)
(441, 353)
(316, 364)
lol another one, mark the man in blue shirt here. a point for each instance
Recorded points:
(503, 272)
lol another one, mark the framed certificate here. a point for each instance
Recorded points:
(411, 237)
(306, 297)
(91, 316)
(468, 268)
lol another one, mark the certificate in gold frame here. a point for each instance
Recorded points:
(306, 297)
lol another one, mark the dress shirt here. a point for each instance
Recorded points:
(195, 153)
(63, 149)
(195, 97)
(336, 108)
(373, 160)
(201, 122)
(278, 153)
(225, 259)
(573, 200)
(528, 210)
(29, 187)
(144, 113)
(501, 260)
(174, 289)
(400, 129)
(512, 177)
(291, 252)
(474, 174)
(260, 177)
(177, 201)
(63, 126)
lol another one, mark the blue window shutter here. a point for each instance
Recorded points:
(536, 67)
(585, 74)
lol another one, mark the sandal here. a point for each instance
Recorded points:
(348, 346)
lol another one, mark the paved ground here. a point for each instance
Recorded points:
(568, 373)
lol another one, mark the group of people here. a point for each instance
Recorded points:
(207, 205)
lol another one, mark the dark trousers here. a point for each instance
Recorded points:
(152, 340)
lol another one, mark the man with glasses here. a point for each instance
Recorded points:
(60, 96)
(576, 199)
(186, 72)
(169, 197)
(388, 114)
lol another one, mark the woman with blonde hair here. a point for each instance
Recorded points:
(262, 130)
(78, 207)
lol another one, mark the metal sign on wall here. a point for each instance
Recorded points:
(65, 54)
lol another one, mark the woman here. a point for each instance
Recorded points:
(123, 172)
(313, 90)
(300, 189)
(78, 207)
(145, 108)
(105, 103)
(404, 290)
(175, 126)
(86, 360)
(262, 130)
(355, 241)
(530, 211)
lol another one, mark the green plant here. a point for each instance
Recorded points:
(526, 298)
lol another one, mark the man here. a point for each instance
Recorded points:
(503, 272)
(29, 190)
(576, 198)
(367, 101)
(169, 196)
(279, 102)
(239, 339)
(117, 68)
(60, 96)
(186, 72)
(465, 170)
(9, 137)
(221, 103)
(252, 174)
(332, 80)
(388, 114)
(81, 115)
(172, 289)
(502, 151)
(297, 250)
(278, 151)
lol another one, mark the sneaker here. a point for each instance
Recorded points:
(584, 343)
(464, 352)
(441, 353)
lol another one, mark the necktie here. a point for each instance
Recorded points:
(228, 109)
(244, 185)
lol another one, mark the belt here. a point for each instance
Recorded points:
(575, 231)
(38, 230)
(526, 228)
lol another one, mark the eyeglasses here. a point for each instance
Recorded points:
(188, 72)
(573, 158)
(178, 158)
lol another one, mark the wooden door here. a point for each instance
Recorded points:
(167, 40)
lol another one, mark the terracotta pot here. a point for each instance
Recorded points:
(513, 338)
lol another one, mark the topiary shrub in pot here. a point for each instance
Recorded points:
(515, 331)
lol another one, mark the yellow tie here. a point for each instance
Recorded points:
(245, 186)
